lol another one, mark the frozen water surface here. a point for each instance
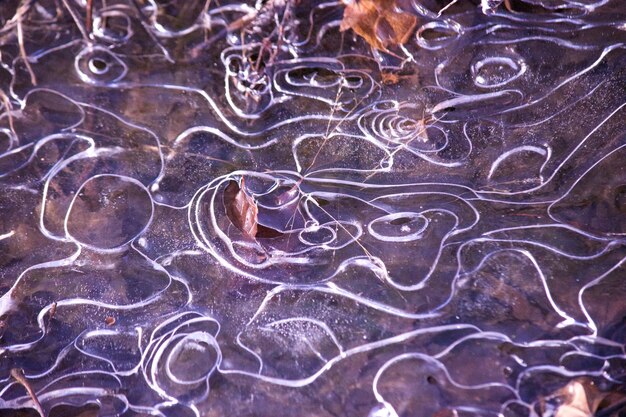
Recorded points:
(441, 226)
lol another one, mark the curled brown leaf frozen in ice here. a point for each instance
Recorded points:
(582, 398)
(241, 208)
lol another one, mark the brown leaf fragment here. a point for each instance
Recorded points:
(241, 208)
(19, 376)
(582, 398)
(576, 402)
(264, 232)
(109, 320)
(380, 22)
(389, 77)
(51, 313)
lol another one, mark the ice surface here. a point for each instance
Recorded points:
(442, 226)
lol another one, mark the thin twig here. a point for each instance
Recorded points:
(9, 109)
(336, 127)
(77, 20)
(89, 17)
(18, 375)
(330, 120)
(147, 26)
(356, 240)
(21, 11)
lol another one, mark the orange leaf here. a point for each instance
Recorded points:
(389, 77)
(241, 208)
(577, 401)
(582, 398)
(380, 22)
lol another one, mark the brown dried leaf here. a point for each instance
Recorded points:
(241, 208)
(380, 22)
(576, 403)
(582, 398)
(389, 78)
